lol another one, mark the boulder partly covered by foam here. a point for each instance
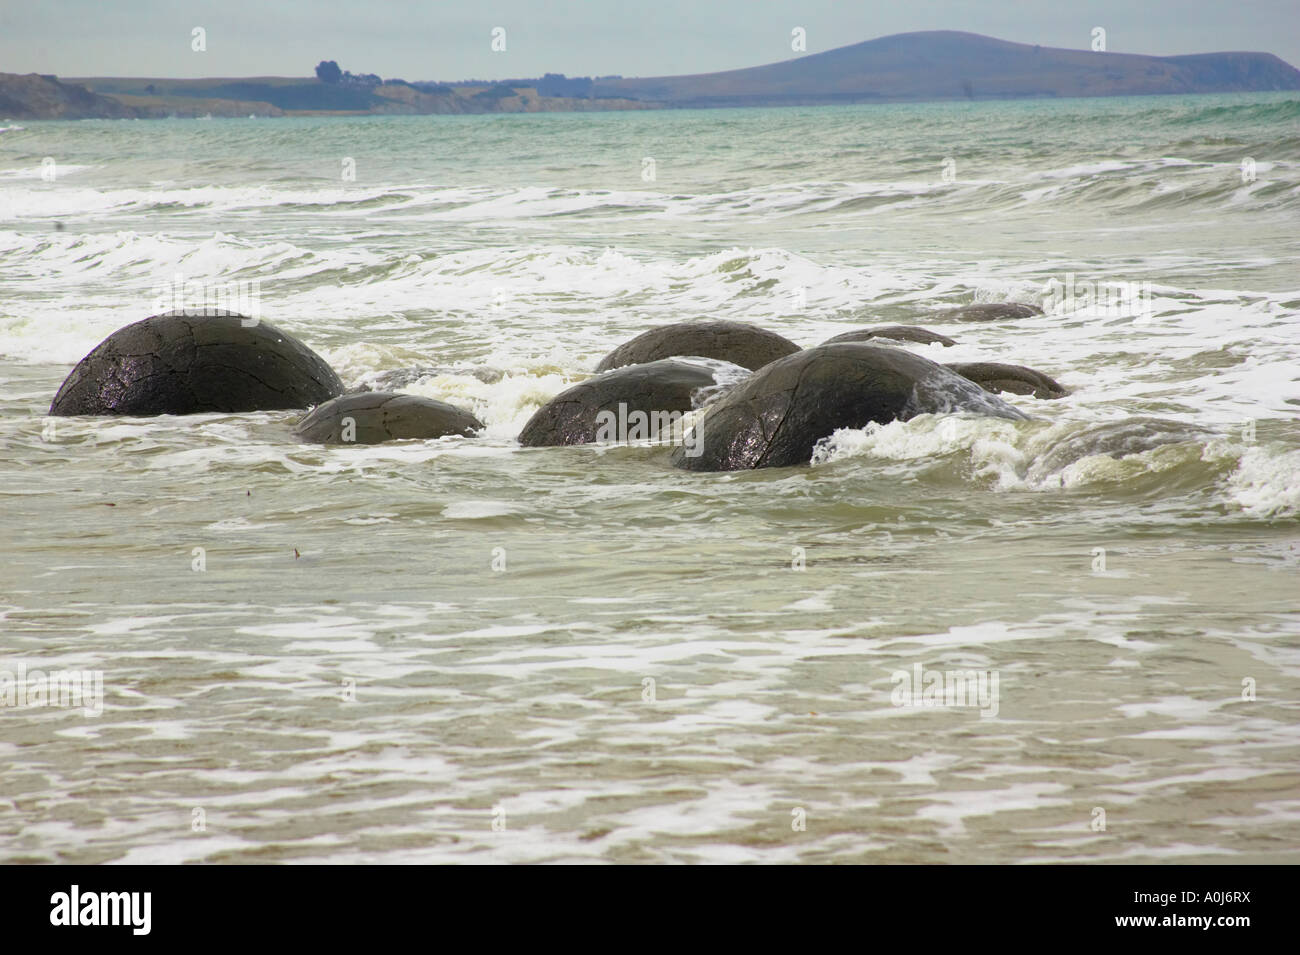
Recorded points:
(776, 417)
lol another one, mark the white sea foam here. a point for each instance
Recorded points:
(650, 678)
(1037, 456)
(473, 510)
(1266, 482)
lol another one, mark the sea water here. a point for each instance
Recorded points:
(952, 639)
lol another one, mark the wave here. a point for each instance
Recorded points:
(42, 200)
(1111, 184)
(51, 260)
(1137, 457)
(1282, 111)
(1266, 483)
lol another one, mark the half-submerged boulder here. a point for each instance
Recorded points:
(1116, 439)
(1017, 379)
(902, 333)
(640, 402)
(372, 417)
(194, 362)
(775, 418)
(736, 342)
(395, 379)
(992, 312)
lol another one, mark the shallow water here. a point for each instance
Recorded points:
(647, 674)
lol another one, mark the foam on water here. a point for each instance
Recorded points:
(1260, 481)
(1266, 482)
(663, 665)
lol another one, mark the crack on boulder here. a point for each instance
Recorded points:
(123, 376)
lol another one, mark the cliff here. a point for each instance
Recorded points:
(34, 96)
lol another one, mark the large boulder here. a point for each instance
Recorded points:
(371, 417)
(634, 403)
(992, 312)
(736, 342)
(194, 362)
(776, 417)
(902, 333)
(1017, 379)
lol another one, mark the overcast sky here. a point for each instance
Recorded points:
(441, 40)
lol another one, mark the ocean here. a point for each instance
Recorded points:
(467, 651)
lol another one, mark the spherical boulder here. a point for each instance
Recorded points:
(903, 333)
(736, 342)
(1017, 379)
(371, 417)
(639, 402)
(195, 362)
(775, 418)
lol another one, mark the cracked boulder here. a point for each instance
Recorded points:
(736, 342)
(902, 333)
(1017, 379)
(196, 362)
(372, 417)
(634, 403)
(776, 417)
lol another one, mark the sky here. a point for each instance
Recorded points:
(443, 40)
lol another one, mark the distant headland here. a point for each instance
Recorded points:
(906, 67)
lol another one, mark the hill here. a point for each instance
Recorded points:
(906, 67)
(302, 96)
(940, 65)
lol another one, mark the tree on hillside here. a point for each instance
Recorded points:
(327, 71)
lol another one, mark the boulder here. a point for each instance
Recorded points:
(994, 312)
(775, 418)
(903, 333)
(194, 362)
(1017, 379)
(736, 342)
(372, 417)
(633, 403)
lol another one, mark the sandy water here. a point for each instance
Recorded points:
(466, 651)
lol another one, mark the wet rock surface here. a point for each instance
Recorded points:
(395, 379)
(1017, 379)
(775, 418)
(903, 333)
(375, 416)
(737, 342)
(994, 312)
(191, 363)
(654, 389)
